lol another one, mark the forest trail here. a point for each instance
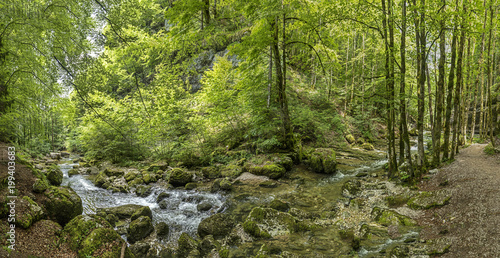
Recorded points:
(470, 221)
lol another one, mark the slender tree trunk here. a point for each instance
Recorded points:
(458, 93)
(489, 123)
(270, 76)
(352, 72)
(466, 96)
(481, 62)
(449, 104)
(429, 93)
(346, 67)
(206, 11)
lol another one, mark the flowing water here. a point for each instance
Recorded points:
(180, 214)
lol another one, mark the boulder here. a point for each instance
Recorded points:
(162, 196)
(40, 185)
(65, 154)
(210, 172)
(143, 191)
(389, 217)
(367, 146)
(190, 186)
(273, 171)
(63, 204)
(162, 229)
(163, 204)
(323, 160)
(54, 175)
(204, 206)
(185, 245)
(92, 236)
(267, 222)
(427, 200)
(139, 229)
(279, 205)
(144, 211)
(231, 171)
(180, 177)
(131, 175)
(218, 225)
(27, 212)
(350, 139)
(73, 172)
(55, 155)
(113, 172)
(140, 249)
(122, 212)
(160, 166)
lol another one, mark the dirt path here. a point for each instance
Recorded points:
(471, 221)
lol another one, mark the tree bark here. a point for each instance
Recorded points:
(449, 104)
(458, 93)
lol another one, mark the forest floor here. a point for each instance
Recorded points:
(470, 221)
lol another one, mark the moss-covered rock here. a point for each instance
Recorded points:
(54, 175)
(123, 211)
(210, 172)
(28, 212)
(136, 181)
(92, 236)
(162, 230)
(180, 177)
(279, 205)
(427, 200)
(231, 171)
(143, 191)
(186, 244)
(323, 160)
(218, 225)
(131, 175)
(283, 160)
(40, 185)
(140, 249)
(273, 171)
(162, 196)
(160, 166)
(267, 222)
(226, 185)
(207, 244)
(204, 206)
(149, 178)
(73, 172)
(190, 186)
(139, 229)
(101, 179)
(113, 172)
(144, 211)
(351, 188)
(350, 139)
(388, 217)
(63, 204)
(367, 146)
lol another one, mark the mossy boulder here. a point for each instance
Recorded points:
(40, 185)
(113, 172)
(218, 225)
(149, 178)
(388, 217)
(162, 196)
(204, 206)
(279, 205)
(283, 160)
(273, 171)
(231, 171)
(210, 172)
(185, 245)
(143, 191)
(160, 166)
(101, 179)
(267, 222)
(180, 177)
(131, 175)
(351, 188)
(323, 160)
(92, 236)
(162, 229)
(144, 211)
(139, 229)
(367, 146)
(28, 212)
(190, 186)
(122, 212)
(54, 175)
(136, 181)
(73, 172)
(350, 139)
(427, 200)
(140, 249)
(63, 204)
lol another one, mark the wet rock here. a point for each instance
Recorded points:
(163, 204)
(218, 225)
(190, 186)
(226, 185)
(267, 222)
(162, 196)
(63, 204)
(55, 155)
(273, 171)
(143, 191)
(40, 185)
(208, 244)
(139, 229)
(112, 219)
(370, 231)
(351, 188)
(162, 230)
(180, 177)
(323, 160)
(136, 181)
(123, 211)
(113, 172)
(210, 172)
(388, 217)
(268, 184)
(100, 179)
(367, 146)
(279, 205)
(131, 175)
(65, 154)
(427, 200)
(144, 211)
(140, 249)
(204, 206)
(149, 178)
(161, 166)
(400, 251)
(27, 212)
(54, 175)
(231, 171)
(186, 244)
(283, 160)
(73, 172)
(121, 185)
(88, 234)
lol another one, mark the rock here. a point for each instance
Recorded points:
(27, 212)
(63, 204)
(144, 211)
(362, 174)
(323, 160)
(139, 229)
(55, 155)
(121, 185)
(65, 154)
(351, 188)
(140, 249)
(369, 231)
(131, 175)
(433, 171)
(231, 171)
(268, 184)
(40, 185)
(122, 212)
(113, 172)
(367, 146)
(73, 172)
(204, 206)
(282, 160)
(208, 244)
(218, 225)
(55, 175)
(350, 139)
(438, 246)
(267, 222)
(273, 171)
(279, 205)
(135, 182)
(100, 179)
(163, 204)
(112, 219)
(162, 229)
(413, 132)
(161, 166)
(91, 235)
(185, 245)
(397, 200)
(427, 200)
(162, 196)
(148, 178)
(226, 185)
(400, 251)
(180, 177)
(210, 172)
(143, 191)
(388, 217)
(190, 186)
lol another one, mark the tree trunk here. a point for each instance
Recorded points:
(458, 93)
(206, 11)
(270, 76)
(449, 104)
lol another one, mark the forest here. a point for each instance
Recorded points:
(208, 83)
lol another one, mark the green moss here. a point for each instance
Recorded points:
(131, 175)
(30, 212)
(40, 185)
(139, 229)
(104, 241)
(180, 177)
(323, 160)
(279, 205)
(428, 200)
(80, 227)
(389, 217)
(253, 229)
(272, 171)
(231, 171)
(63, 205)
(185, 245)
(210, 172)
(54, 175)
(73, 172)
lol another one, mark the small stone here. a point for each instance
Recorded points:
(204, 206)
(162, 196)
